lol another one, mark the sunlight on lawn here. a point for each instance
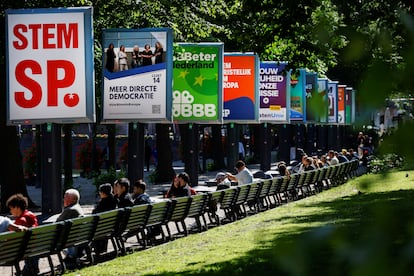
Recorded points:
(351, 227)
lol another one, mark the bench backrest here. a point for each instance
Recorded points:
(285, 183)
(266, 184)
(180, 208)
(108, 223)
(228, 197)
(242, 194)
(255, 189)
(276, 185)
(43, 239)
(78, 231)
(12, 246)
(136, 217)
(198, 205)
(159, 213)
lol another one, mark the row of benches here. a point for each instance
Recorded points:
(148, 223)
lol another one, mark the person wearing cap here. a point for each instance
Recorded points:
(222, 181)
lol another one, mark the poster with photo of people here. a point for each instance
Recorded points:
(137, 75)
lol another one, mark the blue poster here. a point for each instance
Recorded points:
(323, 99)
(312, 106)
(297, 95)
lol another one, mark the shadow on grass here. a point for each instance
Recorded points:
(365, 234)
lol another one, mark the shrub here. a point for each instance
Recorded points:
(84, 157)
(123, 155)
(385, 163)
(153, 177)
(30, 161)
(108, 177)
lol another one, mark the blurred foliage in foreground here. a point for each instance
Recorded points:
(363, 227)
(385, 163)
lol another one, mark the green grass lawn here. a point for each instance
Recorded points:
(364, 227)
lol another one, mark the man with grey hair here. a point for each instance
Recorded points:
(72, 208)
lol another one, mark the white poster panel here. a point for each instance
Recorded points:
(332, 101)
(50, 70)
(137, 66)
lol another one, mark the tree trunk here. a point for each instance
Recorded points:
(96, 170)
(11, 167)
(67, 157)
(111, 147)
(218, 149)
(164, 171)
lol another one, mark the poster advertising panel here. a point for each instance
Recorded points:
(341, 104)
(297, 95)
(50, 66)
(137, 75)
(333, 101)
(240, 87)
(313, 107)
(353, 106)
(348, 105)
(198, 82)
(323, 100)
(274, 92)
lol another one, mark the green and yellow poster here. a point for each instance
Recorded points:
(198, 82)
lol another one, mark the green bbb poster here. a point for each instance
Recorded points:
(197, 82)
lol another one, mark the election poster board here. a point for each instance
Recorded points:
(137, 75)
(333, 101)
(274, 92)
(341, 104)
(312, 106)
(348, 105)
(353, 107)
(198, 83)
(322, 100)
(297, 95)
(240, 87)
(50, 66)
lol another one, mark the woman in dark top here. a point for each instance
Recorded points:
(180, 186)
(146, 55)
(174, 188)
(110, 58)
(158, 52)
(283, 170)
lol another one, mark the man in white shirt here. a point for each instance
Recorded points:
(243, 176)
(333, 160)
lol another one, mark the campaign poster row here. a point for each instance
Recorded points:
(148, 78)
